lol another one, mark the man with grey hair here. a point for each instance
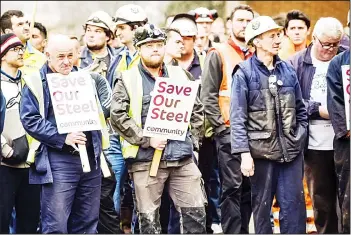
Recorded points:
(311, 65)
(70, 198)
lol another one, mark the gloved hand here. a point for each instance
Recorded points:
(247, 164)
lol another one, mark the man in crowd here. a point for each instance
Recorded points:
(204, 19)
(14, 172)
(128, 119)
(128, 18)
(39, 37)
(268, 129)
(174, 46)
(297, 29)
(337, 75)
(311, 65)
(14, 21)
(189, 60)
(220, 62)
(70, 199)
(97, 56)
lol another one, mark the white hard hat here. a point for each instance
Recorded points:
(101, 19)
(185, 23)
(203, 14)
(130, 13)
(258, 26)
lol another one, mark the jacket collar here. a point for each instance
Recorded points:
(87, 54)
(6, 77)
(261, 66)
(47, 70)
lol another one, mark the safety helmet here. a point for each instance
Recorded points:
(148, 33)
(185, 23)
(258, 26)
(130, 13)
(203, 14)
(101, 19)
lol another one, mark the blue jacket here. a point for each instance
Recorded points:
(335, 93)
(86, 60)
(269, 127)
(2, 111)
(44, 129)
(302, 63)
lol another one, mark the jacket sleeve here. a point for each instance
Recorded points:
(121, 122)
(211, 81)
(2, 111)
(197, 123)
(312, 107)
(35, 125)
(301, 112)
(104, 93)
(335, 98)
(238, 114)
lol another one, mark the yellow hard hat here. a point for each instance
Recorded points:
(258, 26)
(130, 13)
(101, 19)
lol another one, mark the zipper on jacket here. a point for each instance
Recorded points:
(280, 128)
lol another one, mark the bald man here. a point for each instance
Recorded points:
(69, 198)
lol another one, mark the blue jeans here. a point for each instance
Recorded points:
(71, 203)
(213, 202)
(283, 180)
(114, 156)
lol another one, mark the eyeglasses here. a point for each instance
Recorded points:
(97, 20)
(17, 49)
(328, 45)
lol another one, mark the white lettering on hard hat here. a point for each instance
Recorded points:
(134, 10)
(255, 25)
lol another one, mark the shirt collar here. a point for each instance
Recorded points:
(9, 77)
(29, 47)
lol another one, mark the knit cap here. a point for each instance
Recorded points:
(9, 41)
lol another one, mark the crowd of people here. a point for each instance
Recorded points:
(268, 135)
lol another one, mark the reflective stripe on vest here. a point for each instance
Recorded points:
(34, 84)
(230, 58)
(133, 82)
(122, 65)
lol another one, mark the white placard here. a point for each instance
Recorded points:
(346, 88)
(74, 102)
(171, 106)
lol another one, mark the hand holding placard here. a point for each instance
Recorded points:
(169, 114)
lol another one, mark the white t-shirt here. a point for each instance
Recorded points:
(321, 133)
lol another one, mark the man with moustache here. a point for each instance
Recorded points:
(177, 166)
(70, 198)
(220, 61)
(14, 21)
(16, 192)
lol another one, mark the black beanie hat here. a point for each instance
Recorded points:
(9, 41)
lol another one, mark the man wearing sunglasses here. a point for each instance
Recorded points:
(268, 129)
(14, 172)
(311, 66)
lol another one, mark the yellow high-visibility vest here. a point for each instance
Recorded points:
(34, 84)
(133, 82)
(122, 65)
